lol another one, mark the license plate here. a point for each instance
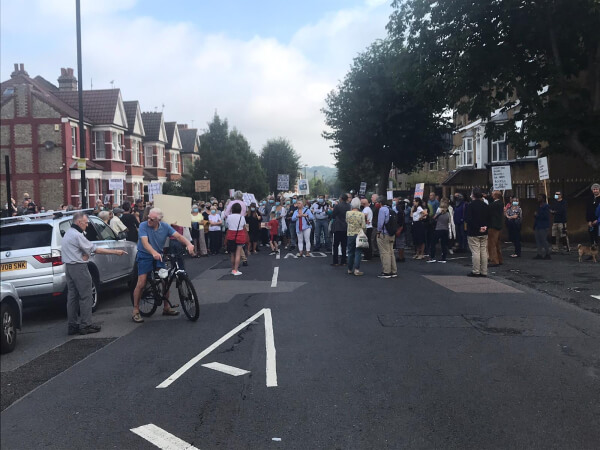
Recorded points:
(17, 265)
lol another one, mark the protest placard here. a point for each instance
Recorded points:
(501, 178)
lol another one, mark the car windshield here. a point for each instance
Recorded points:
(25, 236)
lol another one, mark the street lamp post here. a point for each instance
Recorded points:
(84, 193)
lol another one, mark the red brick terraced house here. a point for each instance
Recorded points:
(173, 152)
(190, 152)
(134, 151)
(155, 142)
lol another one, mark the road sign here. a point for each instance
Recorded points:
(271, 367)
(419, 190)
(501, 178)
(202, 185)
(363, 188)
(81, 163)
(543, 168)
(303, 188)
(283, 182)
(115, 184)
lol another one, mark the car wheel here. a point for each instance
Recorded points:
(8, 340)
(95, 292)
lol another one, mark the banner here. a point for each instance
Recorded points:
(501, 178)
(154, 189)
(419, 190)
(115, 184)
(363, 188)
(303, 187)
(283, 182)
(176, 210)
(543, 168)
(202, 185)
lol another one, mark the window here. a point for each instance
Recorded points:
(433, 166)
(98, 189)
(135, 152)
(467, 152)
(148, 156)
(99, 145)
(74, 142)
(160, 160)
(174, 163)
(531, 191)
(117, 193)
(117, 150)
(25, 236)
(499, 150)
(136, 191)
(103, 231)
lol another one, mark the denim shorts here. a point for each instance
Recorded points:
(146, 263)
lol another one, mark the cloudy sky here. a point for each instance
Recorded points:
(265, 65)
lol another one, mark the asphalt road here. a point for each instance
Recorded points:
(431, 359)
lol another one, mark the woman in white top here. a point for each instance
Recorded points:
(236, 237)
(419, 230)
(214, 230)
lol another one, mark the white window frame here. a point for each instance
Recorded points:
(117, 149)
(74, 141)
(160, 160)
(98, 189)
(466, 152)
(496, 157)
(136, 191)
(174, 163)
(118, 197)
(148, 155)
(135, 152)
(434, 166)
(99, 154)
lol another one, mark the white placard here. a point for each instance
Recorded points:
(363, 188)
(176, 210)
(303, 187)
(154, 189)
(283, 182)
(501, 178)
(390, 195)
(115, 184)
(419, 190)
(543, 168)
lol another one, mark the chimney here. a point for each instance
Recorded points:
(19, 70)
(182, 126)
(67, 81)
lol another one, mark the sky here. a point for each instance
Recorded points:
(264, 65)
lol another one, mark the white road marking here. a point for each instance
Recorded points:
(290, 255)
(269, 343)
(161, 438)
(318, 255)
(270, 348)
(457, 257)
(230, 370)
(596, 296)
(278, 255)
(275, 274)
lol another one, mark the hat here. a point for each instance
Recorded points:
(118, 211)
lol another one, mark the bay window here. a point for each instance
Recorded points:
(99, 146)
(499, 150)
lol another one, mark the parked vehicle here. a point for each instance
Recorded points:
(11, 311)
(30, 256)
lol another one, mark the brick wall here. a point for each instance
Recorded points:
(51, 193)
(43, 110)
(8, 110)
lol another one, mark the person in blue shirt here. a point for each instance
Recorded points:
(541, 226)
(152, 237)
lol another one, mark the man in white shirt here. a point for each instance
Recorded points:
(319, 210)
(368, 212)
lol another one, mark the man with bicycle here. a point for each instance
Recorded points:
(152, 237)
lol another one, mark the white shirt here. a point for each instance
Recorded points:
(368, 212)
(235, 222)
(214, 218)
(417, 214)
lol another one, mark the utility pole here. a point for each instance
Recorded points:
(8, 193)
(84, 194)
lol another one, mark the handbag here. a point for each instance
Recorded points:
(362, 241)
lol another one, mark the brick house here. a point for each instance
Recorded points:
(190, 151)
(155, 142)
(134, 154)
(173, 151)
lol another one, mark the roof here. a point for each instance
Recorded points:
(130, 110)
(170, 129)
(469, 177)
(43, 82)
(152, 122)
(99, 105)
(188, 138)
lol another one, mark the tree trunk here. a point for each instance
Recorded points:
(382, 179)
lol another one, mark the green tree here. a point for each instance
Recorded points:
(318, 186)
(540, 57)
(279, 157)
(383, 113)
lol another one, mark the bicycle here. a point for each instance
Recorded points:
(156, 289)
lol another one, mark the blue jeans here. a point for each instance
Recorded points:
(354, 254)
(322, 226)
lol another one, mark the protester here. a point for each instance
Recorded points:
(236, 236)
(291, 209)
(459, 221)
(75, 253)
(432, 206)
(541, 226)
(593, 224)
(214, 230)
(477, 217)
(273, 227)
(340, 230)
(368, 213)
(302, 217)
(320, 209)
(385, 240)
(514, 219)
(441, 233)
(401, 234)
(238, 197)
(130, 221)
(559, 225)
(104, 216)
(116, 224)
(197, 232)
(254, 220)
(496, 219)
(356, 222)
(419, 230)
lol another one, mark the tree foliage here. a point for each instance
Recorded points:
(383, 113)
(227, 160)
(279, 157)
(495, 54)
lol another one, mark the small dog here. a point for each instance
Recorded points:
(585, 250)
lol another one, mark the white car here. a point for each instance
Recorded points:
(11, 311)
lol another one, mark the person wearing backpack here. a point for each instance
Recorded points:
(387, 225)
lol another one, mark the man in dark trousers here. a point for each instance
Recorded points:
(496, 220)
(591, 214)
(130, 221)
(340, 229)
(559, 226)
(477, 218)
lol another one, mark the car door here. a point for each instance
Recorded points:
(109, 266)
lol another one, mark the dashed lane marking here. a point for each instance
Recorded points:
(275, 274)
(229, 370)
(596, 296)
(161, 438)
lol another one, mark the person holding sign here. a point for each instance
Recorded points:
(541, 226)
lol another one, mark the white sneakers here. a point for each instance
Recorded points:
(236, 273)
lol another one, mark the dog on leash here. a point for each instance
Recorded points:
(585, 250)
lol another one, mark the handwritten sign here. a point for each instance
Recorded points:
(283, 182)
(390, 195)
(202, 185)
(154, 189)
(543, 168)
(115, 184)
(501, 178)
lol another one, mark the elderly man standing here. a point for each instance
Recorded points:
(385, 240)
(76, 251)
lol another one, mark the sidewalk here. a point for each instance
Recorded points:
(562, 276)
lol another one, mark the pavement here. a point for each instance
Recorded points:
(308, 357)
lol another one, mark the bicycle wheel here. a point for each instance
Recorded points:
(188, 297)
(148, 299)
